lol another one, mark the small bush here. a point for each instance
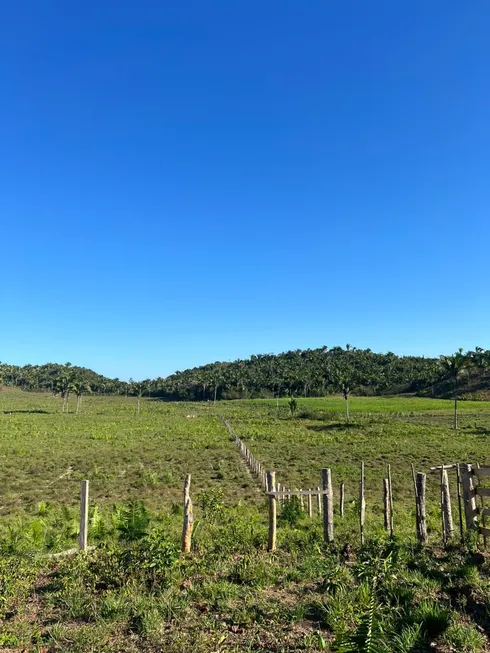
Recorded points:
(131, 520)
(291, 511)
(464, 638)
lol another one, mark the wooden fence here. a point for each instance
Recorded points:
(471, 494)
(469, 490)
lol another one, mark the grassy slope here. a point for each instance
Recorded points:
(229, 595)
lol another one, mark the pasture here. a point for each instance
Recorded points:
(134, 592)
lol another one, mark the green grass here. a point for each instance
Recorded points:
(135, 592)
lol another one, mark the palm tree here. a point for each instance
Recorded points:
(79, 386)
(453, 368)
(138, 389)
(61, 386)
(480, 358)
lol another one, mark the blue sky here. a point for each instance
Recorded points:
(188, 182)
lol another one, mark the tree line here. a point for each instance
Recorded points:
(309, 372)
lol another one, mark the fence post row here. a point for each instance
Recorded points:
(467, 492)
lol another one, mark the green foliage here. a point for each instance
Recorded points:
(97, 527)
(293, 405)
(156, 554)
(464, 638)
(291, 511)
(433, 617)
(16, 575)
(131, 520)
(211, 504)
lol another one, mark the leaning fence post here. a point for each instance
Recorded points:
(422, 521)
(271, 486)
(82, 539)
(188, 517)
(342, 496)
(362, 505)
(327, 505)
(446, 507)
(386, 499)
(417, 507)
(469, 495)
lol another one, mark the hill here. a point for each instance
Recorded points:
(307, 373)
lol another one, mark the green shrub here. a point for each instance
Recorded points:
(464, 638)
(292, 512)
(131, 520)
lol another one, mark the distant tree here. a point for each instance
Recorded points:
(61, 387)
(480, 359)
(453, 368)
(138, 389)
(293, 406)
(345, 376)
(80, 386)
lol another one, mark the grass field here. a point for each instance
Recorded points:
(134, 592)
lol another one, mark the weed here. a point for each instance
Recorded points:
(464, 638)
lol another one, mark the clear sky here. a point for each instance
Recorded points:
(185, 182)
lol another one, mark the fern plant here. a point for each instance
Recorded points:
(131, 520)
(98, 528)
(368, 637)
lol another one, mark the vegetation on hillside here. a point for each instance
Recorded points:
(308, 373)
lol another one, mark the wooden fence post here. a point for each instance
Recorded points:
(420, 498)
(446, 508)
(460, 502)
(188, 524)
(469, 495)
(362, 505)
(83, 535)
(390, 490)
(319, 501)
(301, 500)
(417, 507)
(386, 499)
(327, 505)
(309, 504)
(271, 486)
(483, 516)
(342, 496)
